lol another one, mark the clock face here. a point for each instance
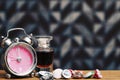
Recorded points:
(20, 59)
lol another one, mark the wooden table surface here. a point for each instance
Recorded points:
(107, 75)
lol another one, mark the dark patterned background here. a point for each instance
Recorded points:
(86, 32)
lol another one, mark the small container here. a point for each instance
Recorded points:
(45, 53)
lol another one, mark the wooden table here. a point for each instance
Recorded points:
(107, 75)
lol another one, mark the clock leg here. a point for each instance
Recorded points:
(32, 74)
(8, 76)
(37, 74)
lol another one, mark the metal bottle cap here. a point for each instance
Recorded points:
(77, 74)
(42, 72)
(57, 73)
(66, 73)
(97, 74)
(45, 75)
(89, 74)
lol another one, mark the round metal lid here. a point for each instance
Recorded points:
(66, 73)
(57, 73)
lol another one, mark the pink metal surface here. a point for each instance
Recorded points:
(19, 59)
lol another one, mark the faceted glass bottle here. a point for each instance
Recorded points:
(45, 53)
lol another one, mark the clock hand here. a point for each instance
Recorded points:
(18, 51)
(12, 57)
(13, 60)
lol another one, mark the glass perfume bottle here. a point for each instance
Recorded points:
(45, 53)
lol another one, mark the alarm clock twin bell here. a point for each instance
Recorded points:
(19, 58)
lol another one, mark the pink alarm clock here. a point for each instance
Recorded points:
(20, 58)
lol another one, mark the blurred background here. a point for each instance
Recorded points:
(86, 32)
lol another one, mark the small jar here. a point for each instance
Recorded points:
(45, 53)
